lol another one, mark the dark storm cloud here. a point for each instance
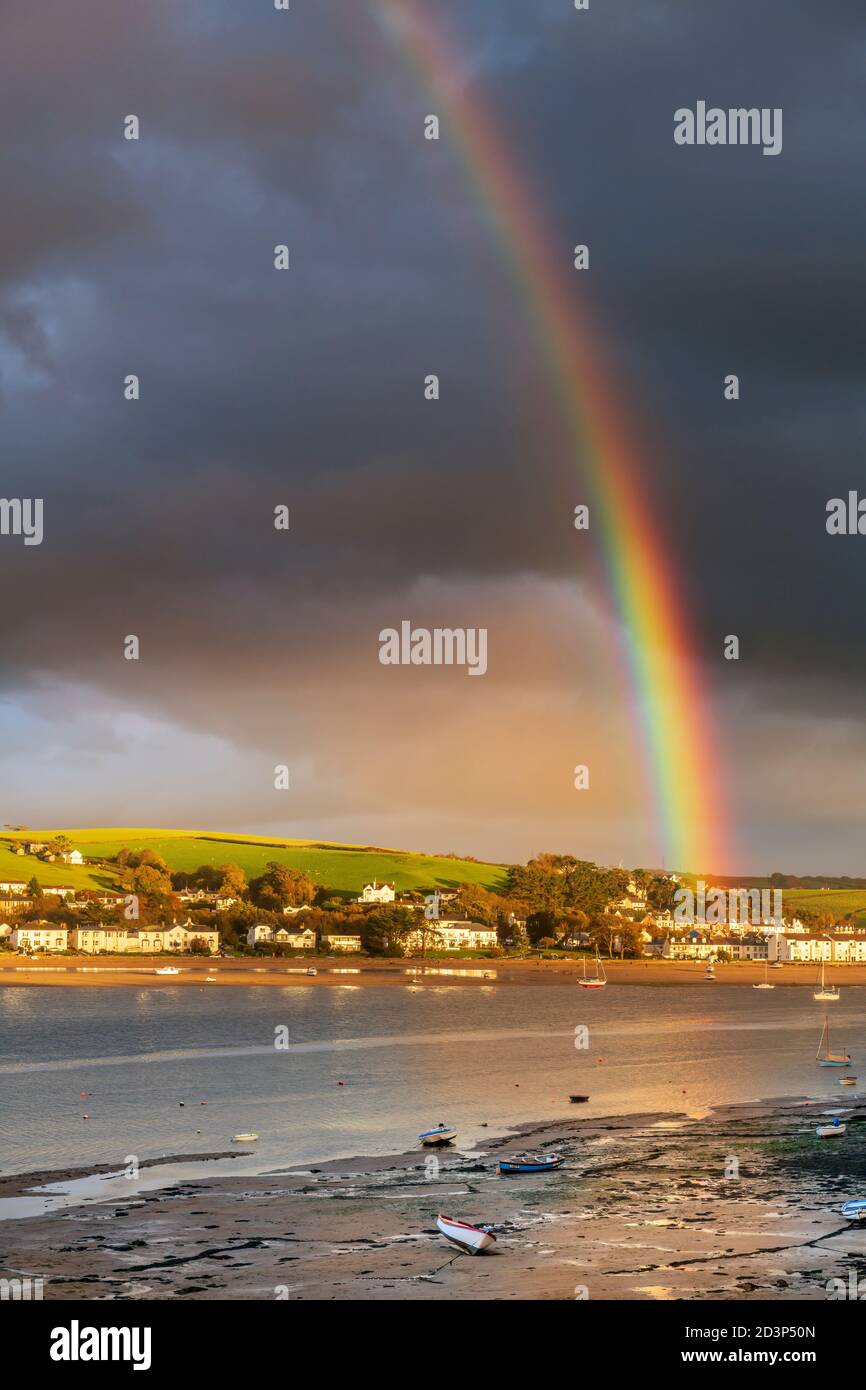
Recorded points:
(258, 389)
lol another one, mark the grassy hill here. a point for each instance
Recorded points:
(838, 901)
(25, 867)
(342, 867)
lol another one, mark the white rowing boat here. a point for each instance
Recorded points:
(854, 1211)
(471, 1239)
(827, 1131)
(244, 1138)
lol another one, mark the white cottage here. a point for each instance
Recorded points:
(377, 893)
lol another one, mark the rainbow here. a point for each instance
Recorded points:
(681, 761)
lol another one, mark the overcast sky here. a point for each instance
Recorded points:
(305, 388)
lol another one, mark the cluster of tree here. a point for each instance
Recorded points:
(59, 845)
(608, 934)
(280, 887)
(824, 921)
(477, 904)
(559, 883)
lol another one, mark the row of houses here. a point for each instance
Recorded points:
(199, 897)
(792, 947)
(701, 946)
(387, 893)
(41, 850)
(668, 921)
(846, 948)
(95, 940)
(16, 887)
(443, 935)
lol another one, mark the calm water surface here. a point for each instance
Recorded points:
(408, 1057)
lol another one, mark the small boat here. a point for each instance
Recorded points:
(531, 1163)
(311, 970)
(825, 1131)
(776, 965)
(440, 1135)
(709, 973)
(847, 1081)
(244, 1138)
(854, 1211)
(167, 970)
(826, 992)
(765, 983)
(472, 1239)
(210, 979)
(578, 1100)
(596, 981)
(828, 1058)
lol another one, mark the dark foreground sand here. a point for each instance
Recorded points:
(642, 1210)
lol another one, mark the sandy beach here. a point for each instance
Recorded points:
(741, 1204)
(330, 971)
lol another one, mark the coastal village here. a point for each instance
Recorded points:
(217, 912)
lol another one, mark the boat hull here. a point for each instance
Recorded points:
(435, 1138)
(549, 1167)
(827, 1131)
(592, 984)
(471, 1239)
(831, 1062)
(854, 1211)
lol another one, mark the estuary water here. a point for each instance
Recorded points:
(181, 1070)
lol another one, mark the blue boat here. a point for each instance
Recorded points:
(854, 1211)
(442, 1134)
(531, 1163)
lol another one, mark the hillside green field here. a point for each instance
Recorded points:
(837, 901)
(342, 867)
(24, 867)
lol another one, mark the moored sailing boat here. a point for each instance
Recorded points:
(596, 981)
(825, 992)
(826, 1058)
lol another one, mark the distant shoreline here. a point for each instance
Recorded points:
(121, 972)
